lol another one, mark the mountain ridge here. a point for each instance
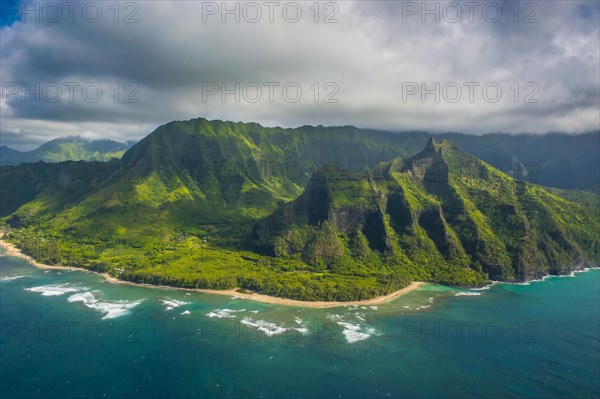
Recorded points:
(423, 198)
(560, 160)
(181, 208)
(427, 193)
(70, 148)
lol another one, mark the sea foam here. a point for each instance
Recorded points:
(270, 329)
(263, 326)
(110, 309)
(539, 280)
(303, 329)
(10, 278)
(55, 289)
(355, 332)
(224, 313)
(172, 303)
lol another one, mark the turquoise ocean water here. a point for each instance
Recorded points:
(67, 334)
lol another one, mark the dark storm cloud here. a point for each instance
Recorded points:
(22, 141)
(375, 48)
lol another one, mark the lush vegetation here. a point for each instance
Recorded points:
(555, 160)
(441, 214)
(194, 262)
(213, 204)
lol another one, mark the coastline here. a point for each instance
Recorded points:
(11, 250)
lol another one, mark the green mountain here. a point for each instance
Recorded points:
(67, 149)
(213, 204)
(555, 160)
(442, 212)
(276, 163)
(177, 207)
(225, 171)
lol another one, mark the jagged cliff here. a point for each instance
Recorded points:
(442, 211)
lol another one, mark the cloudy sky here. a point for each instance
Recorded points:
(104, 71)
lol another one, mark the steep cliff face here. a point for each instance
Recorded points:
(333, 201)
(442, 210)
(428, 165)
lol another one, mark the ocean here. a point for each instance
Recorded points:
(70, 334)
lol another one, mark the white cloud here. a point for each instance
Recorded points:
(170, 53)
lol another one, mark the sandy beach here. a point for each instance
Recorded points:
(11, 250)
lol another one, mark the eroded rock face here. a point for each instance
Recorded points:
(429, 211)
(428, 165)
(433, 223)
(347, 218)
(375, 230)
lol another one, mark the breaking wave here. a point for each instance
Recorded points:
(172, 303)
(10, 278)
(110, 309)
(467, 293)
(55, 289)
(224, 313)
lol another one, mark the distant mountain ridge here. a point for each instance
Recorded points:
(567, 161)
(73, 148)
(556, 160)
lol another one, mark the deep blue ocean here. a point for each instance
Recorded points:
(69, 334)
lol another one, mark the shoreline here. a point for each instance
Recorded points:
(11, 250)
